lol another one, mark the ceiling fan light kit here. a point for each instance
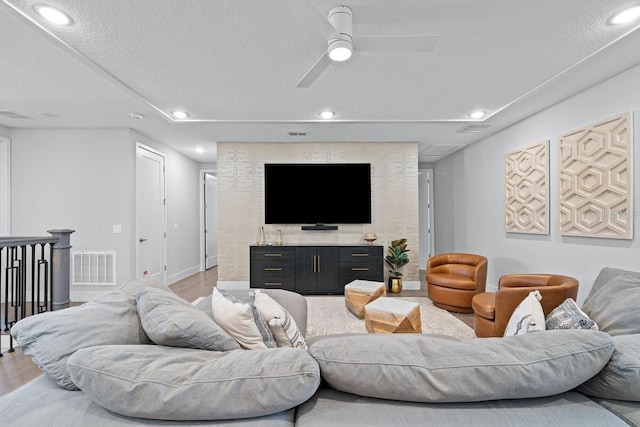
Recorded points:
(341, 47)
(337, 28)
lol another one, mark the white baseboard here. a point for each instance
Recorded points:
(411, 285)
(182, 275)
(491, 288)
(232, 284)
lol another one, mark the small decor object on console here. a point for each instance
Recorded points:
(397, 258)
(261, 239)
(370, 238)
(279, 240)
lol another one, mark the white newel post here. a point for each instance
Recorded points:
(60, 262)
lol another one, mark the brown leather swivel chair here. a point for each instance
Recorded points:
(454, 278)
(492, 311)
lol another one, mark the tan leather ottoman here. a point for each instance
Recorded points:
(359, 293)
(392, 315)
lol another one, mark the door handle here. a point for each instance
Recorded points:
(142, 240)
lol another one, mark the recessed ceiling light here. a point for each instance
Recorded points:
(53, 15)
(477, 114)
(178, 114)
(199, 150)
(625, 16)
(327, 114)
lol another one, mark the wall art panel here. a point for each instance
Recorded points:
(527, 190)
(596, 173)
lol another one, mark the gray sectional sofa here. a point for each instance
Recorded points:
(565, 377)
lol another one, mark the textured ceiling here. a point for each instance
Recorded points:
(234, 66)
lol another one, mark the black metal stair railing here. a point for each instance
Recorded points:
(27, 277)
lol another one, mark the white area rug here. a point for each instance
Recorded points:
(328, 315)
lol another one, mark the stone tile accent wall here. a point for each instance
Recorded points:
(394, 202)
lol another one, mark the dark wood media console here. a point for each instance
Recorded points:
(314, 269)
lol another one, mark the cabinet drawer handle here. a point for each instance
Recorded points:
(273, 283)
(360, 269)
(358, 254)
(273, 269)
(272, 254)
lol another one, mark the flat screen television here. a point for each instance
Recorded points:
(317, 193)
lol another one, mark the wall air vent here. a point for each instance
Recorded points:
(291, 133)
(13, 115)
(473, 129)
(94, 268)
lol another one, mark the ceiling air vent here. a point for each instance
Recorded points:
(473, 129)
(13, 115)
(297, 133)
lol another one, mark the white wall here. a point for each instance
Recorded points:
(469, 192)
(84, 179)
(4, 131)
(77, 179)
(5, 185)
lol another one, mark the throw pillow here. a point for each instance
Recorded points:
(242, 321)
(51, 337)
(620, 378)
(527, 317)
(427, 368)
(569, 316)
(282, 325)
(169, 383)
(614, 307)
(170, 320)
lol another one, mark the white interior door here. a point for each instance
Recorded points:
(150, 214)
(211, 220)
(425, 213)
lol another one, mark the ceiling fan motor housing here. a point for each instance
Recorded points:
(341, 18)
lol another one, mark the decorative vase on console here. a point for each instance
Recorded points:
(261, 239)
(279, 240)
(396, 258)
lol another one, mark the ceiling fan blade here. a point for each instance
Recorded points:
(396, 43)
(312, 17)
(315, 71)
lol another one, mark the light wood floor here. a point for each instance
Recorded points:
(17, 369)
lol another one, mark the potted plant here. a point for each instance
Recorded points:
(396, 258)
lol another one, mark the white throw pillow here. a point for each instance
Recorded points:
(527, 317)
(284, 328)
(242, 321)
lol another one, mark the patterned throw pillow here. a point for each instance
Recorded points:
(242, 321)
(284, 328)
(569, 316)
(527, 317)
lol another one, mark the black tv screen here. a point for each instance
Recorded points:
(317, 193)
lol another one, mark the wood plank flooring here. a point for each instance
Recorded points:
(17, 369)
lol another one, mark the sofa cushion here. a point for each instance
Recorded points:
(527, 317)
(614, 306)
(170, 320)
(424, 368)
(242, 321)
(569, 316)
(51, 337)
(172, 383)
(620, 378)
(283, 326)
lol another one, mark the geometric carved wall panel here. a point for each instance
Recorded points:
(596, 173)
(527, 190)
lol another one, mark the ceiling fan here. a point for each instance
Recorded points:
(337, 28)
